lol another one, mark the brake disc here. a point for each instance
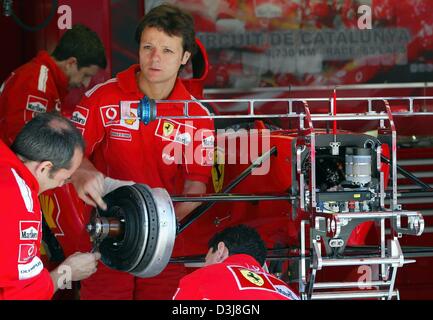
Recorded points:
(124, 251)
(159, 248)
(137, 231)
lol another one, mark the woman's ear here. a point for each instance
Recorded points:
(186, 56)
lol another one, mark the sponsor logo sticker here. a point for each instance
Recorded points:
(167, 158)
(119, 134)
(110, 115)
(281, 289)
(183, 138)
(207, 157)
(131, 122)
(80, 115)
(207, 139)
(249, 279)
(31, 269)
(29, 230)
(26, 252)
(36, 104)
(252, 277)
(168, 128)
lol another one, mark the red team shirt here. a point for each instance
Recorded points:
(239, 277)
(37, 86)
(159, 154)
(22, 273)
(127, 149)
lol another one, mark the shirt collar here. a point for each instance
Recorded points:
(127, 80)
(242, 259)
(60, 78)
(7, 156)
(128, 84)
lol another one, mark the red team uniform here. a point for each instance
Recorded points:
(239, 277)
(37, 86)
(127, 149)
(22, 273)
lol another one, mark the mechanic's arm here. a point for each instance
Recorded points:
(76, 267)
(190, 187)
(89, 183)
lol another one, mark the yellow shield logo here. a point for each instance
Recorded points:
(132, 120)
(253, 277)
(167, 128)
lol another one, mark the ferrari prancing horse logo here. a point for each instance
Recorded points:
(252, 277)
(168, 128)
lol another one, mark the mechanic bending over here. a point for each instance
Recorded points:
(43, 156)
(42, 84)
(233, 271)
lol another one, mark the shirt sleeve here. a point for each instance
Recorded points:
(20, 101)
(203, 144)
(87, 118)
(38, 288)
(19, 255)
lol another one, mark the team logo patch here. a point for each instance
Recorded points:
(26, 252)
(167, 128)
(249, 279)
(183, 138)
(132, 121)
(119, 134)
(252, 277)
(207, 139)
(31, 269)
(283, 290)
(29, 230)
(80, 115)
(207, 157)
(168, 159)
(110, 115)
(36, 104)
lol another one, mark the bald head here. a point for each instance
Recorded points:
(59, 124)
(49, 137)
